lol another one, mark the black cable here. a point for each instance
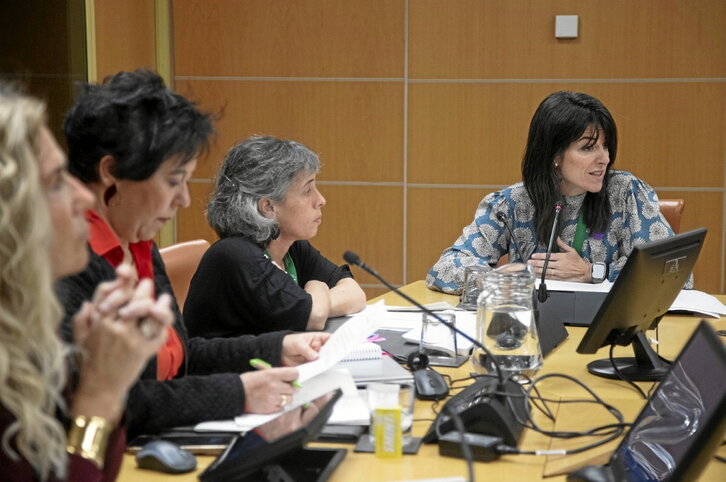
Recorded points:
(465, 449)
(621, 376)
(609, 431)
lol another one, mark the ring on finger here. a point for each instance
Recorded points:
(283, 399)
(148, 329)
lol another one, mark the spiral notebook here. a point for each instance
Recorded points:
(364, 351)
(367, 364)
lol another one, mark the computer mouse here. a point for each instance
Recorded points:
(165, 456)
(430, 385)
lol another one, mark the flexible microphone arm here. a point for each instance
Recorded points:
(352, 258)
(542, 294)
(503, 218)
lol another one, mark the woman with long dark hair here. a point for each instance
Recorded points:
(571, 148)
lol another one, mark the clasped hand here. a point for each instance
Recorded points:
(566, 265)
(116, 333)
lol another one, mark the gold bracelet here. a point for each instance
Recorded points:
(88, 437)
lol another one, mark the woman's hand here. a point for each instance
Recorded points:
(268, 391)
(114, 345)
(302, 347)
(566, 265)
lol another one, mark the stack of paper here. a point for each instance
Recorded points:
(694, 301)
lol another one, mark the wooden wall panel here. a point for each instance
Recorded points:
(356, 128)
(316, 38)
(456, 117)
(191, 222)
(618, 39)
(125, 36)
(436, 217)
(367, 220)
(659, 124)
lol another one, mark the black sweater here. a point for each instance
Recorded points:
(207, 387)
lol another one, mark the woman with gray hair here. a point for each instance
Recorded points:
(263, 274)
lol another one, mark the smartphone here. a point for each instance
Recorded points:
(198, 443)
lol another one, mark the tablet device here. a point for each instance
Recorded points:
(274, 444)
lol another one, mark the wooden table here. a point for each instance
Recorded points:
(674, 331)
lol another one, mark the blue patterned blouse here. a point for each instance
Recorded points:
(635, 219)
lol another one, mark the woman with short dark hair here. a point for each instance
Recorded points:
(135, 144)
(263, 274)
(571, 148)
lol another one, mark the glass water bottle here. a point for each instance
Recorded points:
(505, 322)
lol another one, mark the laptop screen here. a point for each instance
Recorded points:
(680, 417)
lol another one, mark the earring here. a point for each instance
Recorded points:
(109, 193)
(556, 165)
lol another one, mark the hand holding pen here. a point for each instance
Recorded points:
(268, 389)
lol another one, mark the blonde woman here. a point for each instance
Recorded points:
(42, 237)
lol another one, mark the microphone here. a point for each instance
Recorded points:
(503, 218)
(352, 258)
(542, 294)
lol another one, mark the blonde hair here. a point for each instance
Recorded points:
(32, 357)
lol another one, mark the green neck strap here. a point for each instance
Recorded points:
(289, 265)
(580, 234)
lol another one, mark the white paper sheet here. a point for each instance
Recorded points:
(350, 334)
(350, 410)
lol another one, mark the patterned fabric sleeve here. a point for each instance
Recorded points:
(636, 219)
(481, 243)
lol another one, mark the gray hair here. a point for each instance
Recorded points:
(259, 167)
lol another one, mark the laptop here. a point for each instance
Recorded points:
(682, 423)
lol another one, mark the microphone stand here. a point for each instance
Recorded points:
(542, 294)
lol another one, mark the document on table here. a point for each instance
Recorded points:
(350, 409)
(698, 302)
(344, 340)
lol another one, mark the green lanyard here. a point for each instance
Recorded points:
(580, 234)
(289, 265)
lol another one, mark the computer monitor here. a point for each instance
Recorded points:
(681, 425)
(646, 287)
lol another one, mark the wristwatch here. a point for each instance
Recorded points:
(598, 272)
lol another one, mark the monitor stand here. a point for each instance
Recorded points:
(647, 366)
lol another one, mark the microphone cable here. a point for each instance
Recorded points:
(503, 219)
(609, 431)
(622, 376)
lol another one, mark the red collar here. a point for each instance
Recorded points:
(105, 243)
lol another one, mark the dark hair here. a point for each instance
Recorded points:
(560, 120)
(135, 118)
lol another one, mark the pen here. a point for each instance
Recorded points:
(260, 364)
